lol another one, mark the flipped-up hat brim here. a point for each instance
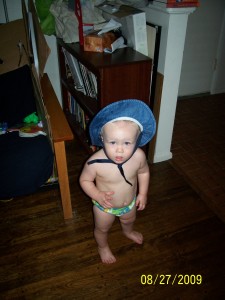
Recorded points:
(127, 109)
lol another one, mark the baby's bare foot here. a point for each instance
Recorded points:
(106, 255)
(135, 236)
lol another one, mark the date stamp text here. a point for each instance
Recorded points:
(166, 279)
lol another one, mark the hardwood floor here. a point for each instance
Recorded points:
(42, 257)
(198, 147)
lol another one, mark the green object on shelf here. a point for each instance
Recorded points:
(32, 118)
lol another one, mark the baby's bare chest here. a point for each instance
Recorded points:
(113, 173)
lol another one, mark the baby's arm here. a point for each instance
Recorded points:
(87, 183)
(143, 183)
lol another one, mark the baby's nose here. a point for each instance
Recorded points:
(119, 148)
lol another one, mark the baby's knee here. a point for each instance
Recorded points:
(127, 221)
(102, 230)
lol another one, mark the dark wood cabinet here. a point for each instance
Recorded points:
(124, 74)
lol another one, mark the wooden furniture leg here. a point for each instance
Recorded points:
(63, 179)
(61, 133)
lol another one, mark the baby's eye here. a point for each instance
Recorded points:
(112, 142)
(127, 143)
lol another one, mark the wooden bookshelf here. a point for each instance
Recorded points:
(124, 74)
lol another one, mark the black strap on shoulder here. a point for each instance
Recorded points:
(104, 160)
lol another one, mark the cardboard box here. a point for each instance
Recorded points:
(15, 33)
(175, 3)
(97, 43)
(133, 28)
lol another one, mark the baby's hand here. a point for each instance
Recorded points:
(105, 198)
(141, 201)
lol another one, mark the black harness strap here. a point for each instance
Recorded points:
(103, 160)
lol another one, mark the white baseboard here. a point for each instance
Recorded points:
(162, 157)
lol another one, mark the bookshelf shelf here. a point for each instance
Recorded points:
(87, 103)
(124, 74)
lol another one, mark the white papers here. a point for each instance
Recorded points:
(119, 43)
(111, 25)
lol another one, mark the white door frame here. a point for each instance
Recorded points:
(218, 76)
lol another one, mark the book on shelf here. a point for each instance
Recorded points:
(93, 84)
(84, 80)
(88, 79)
(75, 109)
(74, 68)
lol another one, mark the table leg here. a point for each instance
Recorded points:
(61, 162)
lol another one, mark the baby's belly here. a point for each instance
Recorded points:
(123, 193)
(122, 198)
(121, 203)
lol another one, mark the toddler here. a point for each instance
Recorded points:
(116, 177)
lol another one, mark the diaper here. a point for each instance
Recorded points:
(116, 211)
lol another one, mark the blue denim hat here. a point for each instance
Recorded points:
(130, 109)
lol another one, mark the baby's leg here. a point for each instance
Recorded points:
(127, 222)
(103, 222)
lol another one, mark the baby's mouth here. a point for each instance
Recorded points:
(119, 158)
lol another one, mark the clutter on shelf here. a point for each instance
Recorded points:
(83, 21)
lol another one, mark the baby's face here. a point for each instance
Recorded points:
(119, 139)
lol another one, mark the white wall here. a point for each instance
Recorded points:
(201, 48)
(52, 68)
